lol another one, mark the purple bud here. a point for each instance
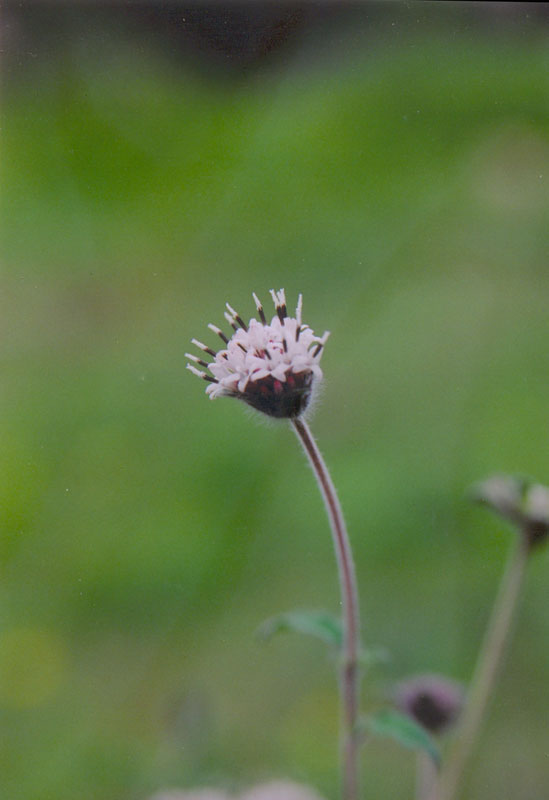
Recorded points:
(433, 701)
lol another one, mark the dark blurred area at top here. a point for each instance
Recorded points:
(235, 39)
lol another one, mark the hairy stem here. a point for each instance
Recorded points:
(349, 678)
(486, 669)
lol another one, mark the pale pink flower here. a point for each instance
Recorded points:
(272, 366)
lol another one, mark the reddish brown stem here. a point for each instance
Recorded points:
(349, 678)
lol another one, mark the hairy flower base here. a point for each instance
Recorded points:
(277, 399)
(271, 366)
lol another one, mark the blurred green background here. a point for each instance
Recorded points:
(391, 162)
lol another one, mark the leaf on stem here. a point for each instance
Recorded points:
(401, 728)
(324, 626)
(320, 624)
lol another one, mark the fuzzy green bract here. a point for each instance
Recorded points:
(394, 725)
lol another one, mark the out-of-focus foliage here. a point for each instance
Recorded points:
(402, 729)
(397, 175)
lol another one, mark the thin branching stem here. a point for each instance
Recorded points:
(350, 678)
(488, 662)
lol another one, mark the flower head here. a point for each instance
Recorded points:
(272, 366)
(519, 500)
(433, 701)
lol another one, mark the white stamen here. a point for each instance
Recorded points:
(193, 358)
(215, 329)
(195, 371)
(298, 309)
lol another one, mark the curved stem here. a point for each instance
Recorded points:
(488, 662)
(351, 626)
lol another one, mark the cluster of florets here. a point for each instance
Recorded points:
(272, 366)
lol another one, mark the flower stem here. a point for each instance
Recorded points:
(486, 669)
(349, 678)
(425, 776)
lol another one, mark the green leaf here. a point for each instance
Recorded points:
(320, 624)
(323, 626)
(402, 729)
(373, 655)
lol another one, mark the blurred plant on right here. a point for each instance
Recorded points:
(439, 704)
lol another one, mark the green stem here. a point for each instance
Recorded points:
(487, 666)
(349, 679)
